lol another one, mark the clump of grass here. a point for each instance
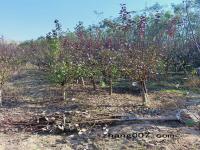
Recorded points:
(175, 91)
(102, 84)
(191, 123)
(159, 86)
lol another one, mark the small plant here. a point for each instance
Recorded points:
(102, 84)
(194, 72)
(191, 123)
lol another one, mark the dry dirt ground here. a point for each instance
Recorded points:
(28, 94)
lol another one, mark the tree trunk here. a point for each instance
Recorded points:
(144, 93)
(77, 81)
(1, 97)
(110, 88)
(83, 81)
(64, 94)
(94, 84)
(167, 70)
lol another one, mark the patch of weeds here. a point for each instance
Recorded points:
(122, 83)
(102, 84)
(175, 91)
(191, 123)
(195, 90)
(160, 85)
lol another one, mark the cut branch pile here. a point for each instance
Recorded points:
(71, 122)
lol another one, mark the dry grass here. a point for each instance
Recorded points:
(193, 81)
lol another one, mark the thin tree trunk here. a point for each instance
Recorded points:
(64, 94)
(77, 81)
(110, 88)
(94, 84)
(167, 70)
(1, 97)
(144, 93)
(83, 81)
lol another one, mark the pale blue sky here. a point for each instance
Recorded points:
(27, 19)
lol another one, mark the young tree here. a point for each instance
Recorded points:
(88, 44)
(59, 65)
(141, 54)
(109, 63)
(140, 63)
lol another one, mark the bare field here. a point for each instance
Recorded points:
(26, 97)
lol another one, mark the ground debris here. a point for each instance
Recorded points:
(70, 122)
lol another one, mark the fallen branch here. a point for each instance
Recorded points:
(61, 122)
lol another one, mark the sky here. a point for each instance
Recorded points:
(29, 19)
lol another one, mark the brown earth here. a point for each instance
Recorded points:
(28, 95)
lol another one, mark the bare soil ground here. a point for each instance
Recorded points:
(28, 95)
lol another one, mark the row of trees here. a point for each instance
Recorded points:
(136, 46)
(9, 62)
